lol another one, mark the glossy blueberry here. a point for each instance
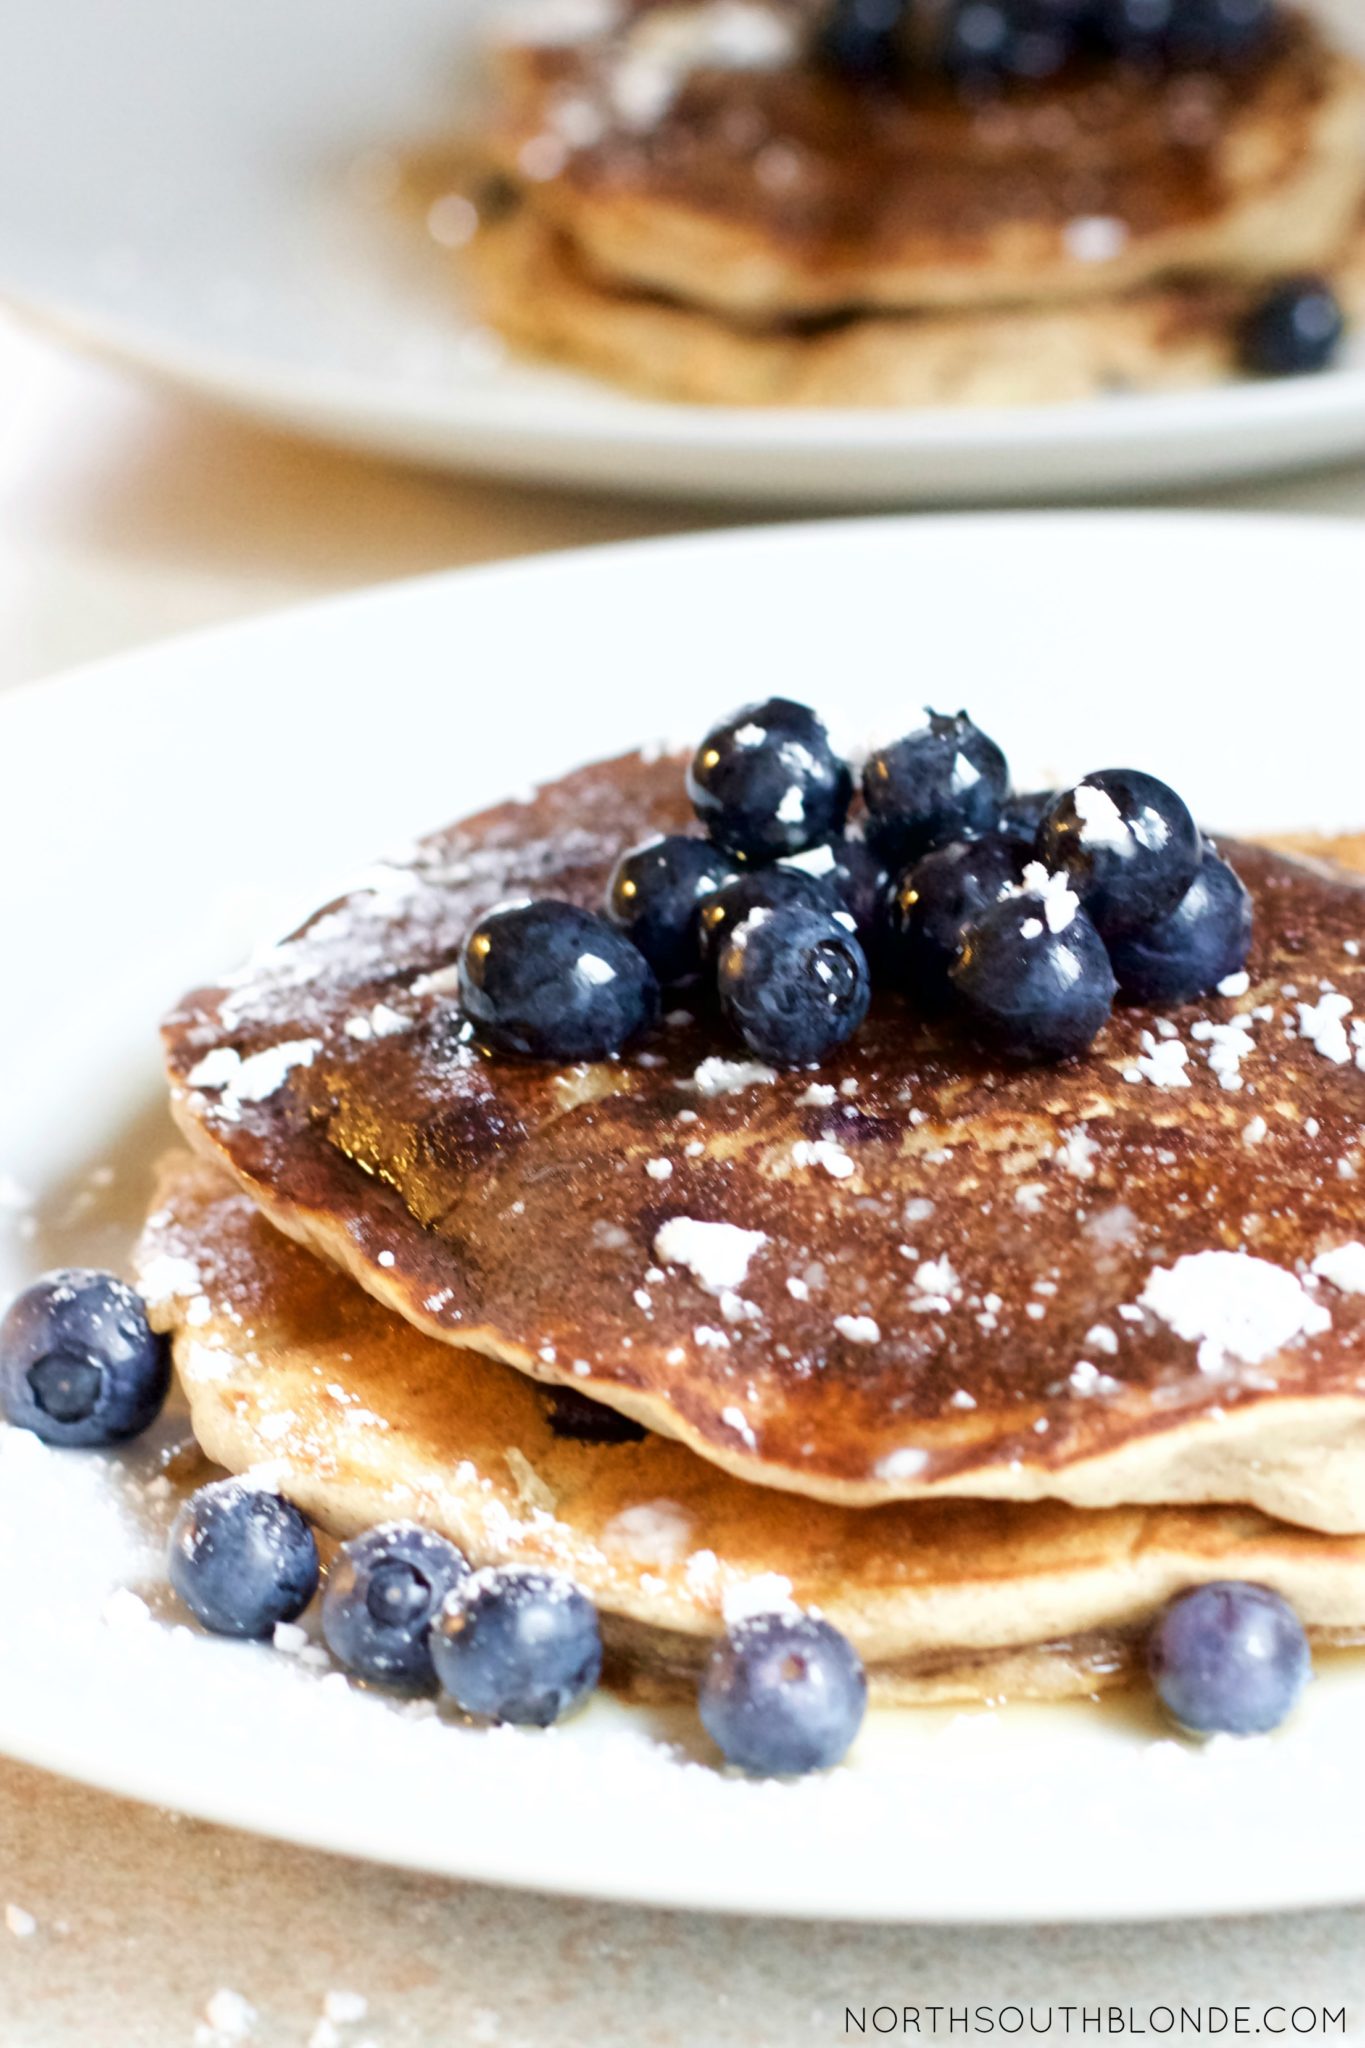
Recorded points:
(1229, 1658)
(1189, 951)
(794, 984)
(516, 1644)
(547, 981)
(861, 39)
(783, 1694)
(932, 905)
(1030, 992)
(384, 1590)
(997, 40)
(79, 1363)
(767, 782)
(1022, 814)
(943, 781)
(655, 895)
(775, 888)
(1128, 845)
(1297, 329)
(857, 877)
(242, 1558)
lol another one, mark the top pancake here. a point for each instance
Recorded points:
(759, 186)
(968, 1245)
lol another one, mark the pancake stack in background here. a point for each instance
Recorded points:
(982, 1363)
(870, 203)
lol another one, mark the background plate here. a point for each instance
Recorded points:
(164, 810)
(181, 190)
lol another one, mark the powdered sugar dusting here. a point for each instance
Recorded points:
(1236, 1308)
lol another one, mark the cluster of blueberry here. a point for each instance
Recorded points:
(982, 42)
(1298, 327)
(782, 1693)
(1021, 916)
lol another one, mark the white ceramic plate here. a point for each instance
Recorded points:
(179, 191)
(164, 810)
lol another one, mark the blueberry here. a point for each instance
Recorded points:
(783, 1694)
(242, 1558)
(856, 877)
(932, 905)
(1128, 844)
(944, 781)
(1189, 951)
(1138, 30)
(1033, 978)
(1297, 329)
(383, 1593)
(990, 41)
(794, 984)
(516, 1644)
(775, 888)
(767, 782)
(578, 1419)
(861, 39)
(655, 895)
(1229, 1658)
(79, 1363)
(547, 981)
(1218, 31)
(1022, 814)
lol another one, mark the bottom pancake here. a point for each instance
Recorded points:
(532, 287)
(291, 1369)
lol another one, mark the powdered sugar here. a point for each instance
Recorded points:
(717, 1254)
(1236, 1308)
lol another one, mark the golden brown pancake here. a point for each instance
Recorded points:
(760, 187)
(531, 285)
(360, 1418)
(952, 1281)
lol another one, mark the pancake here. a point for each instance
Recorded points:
(532, 286)
(940, 1276)
(696, 152)
(360, 1418)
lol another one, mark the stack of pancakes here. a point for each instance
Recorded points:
(983, 1364)
(678, 195)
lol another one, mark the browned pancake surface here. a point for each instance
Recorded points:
(300, 1376)
(512, 1208)
(782, 191)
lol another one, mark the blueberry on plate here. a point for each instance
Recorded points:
(517, 1644)
(932, 905)
(1229, 1658)
(1023, 812)
(655, 896)
(767, 782)
(1033, 979)
(794, 984)
(783, 1694)
(79, 1362)
(242, 1558)
(776, 888)
(547, 981)
(1295, 330)
(383, 1592)
(1195, 946)
(943, 781)
(861, 39)
(1128, 845)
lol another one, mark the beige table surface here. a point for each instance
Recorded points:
(125, 515)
